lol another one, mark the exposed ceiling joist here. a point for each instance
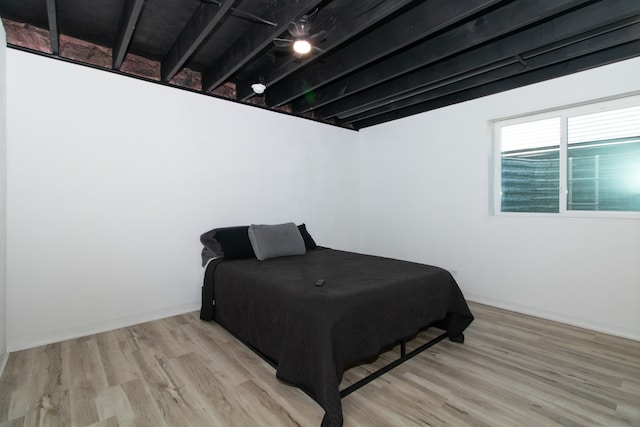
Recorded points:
(354, 18)
(255, 41)
(202, 22)
(509, 18)
(379, 59)
(480, 60)
(524, 63)
(53, 27)
(130, 15)
(607, 56)
(423, 20)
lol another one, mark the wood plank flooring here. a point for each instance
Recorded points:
(513, 370)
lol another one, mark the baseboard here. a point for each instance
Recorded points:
(22, 343)
(3, 362)
(555, 317)
(16, 344)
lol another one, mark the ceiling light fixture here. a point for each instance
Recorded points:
(258, 88)
(302, 46)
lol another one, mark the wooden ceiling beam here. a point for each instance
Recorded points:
(423, 20)
(52, 16)
(489, 56)
(504, 20)
(542, 57)
(128, 20)
(353, 18)
(537, 72)
(255, 41)
(202, 22)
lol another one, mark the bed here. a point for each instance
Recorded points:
(311, 333)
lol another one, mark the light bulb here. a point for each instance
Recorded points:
(302, 46)
(258, 88)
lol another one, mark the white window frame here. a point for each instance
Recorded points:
(564, 113)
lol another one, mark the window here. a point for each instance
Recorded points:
(576, 161)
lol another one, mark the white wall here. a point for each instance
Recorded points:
(112, 180)
(425, 196)
(3, 197)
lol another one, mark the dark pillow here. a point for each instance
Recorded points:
(309, 243)
(211, 244)
(235, 242)
(271, 241)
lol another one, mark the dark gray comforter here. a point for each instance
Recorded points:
(314, 333)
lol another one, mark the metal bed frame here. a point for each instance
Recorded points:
(404, 356)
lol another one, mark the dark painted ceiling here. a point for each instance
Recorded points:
(379, 61)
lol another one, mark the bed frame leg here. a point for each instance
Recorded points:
(366, 380)
(403, 347)
(457, 338)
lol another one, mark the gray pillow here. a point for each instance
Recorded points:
(270, 241)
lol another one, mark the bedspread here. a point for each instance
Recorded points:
(314, 333)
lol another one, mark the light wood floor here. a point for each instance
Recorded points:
(513, 370)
